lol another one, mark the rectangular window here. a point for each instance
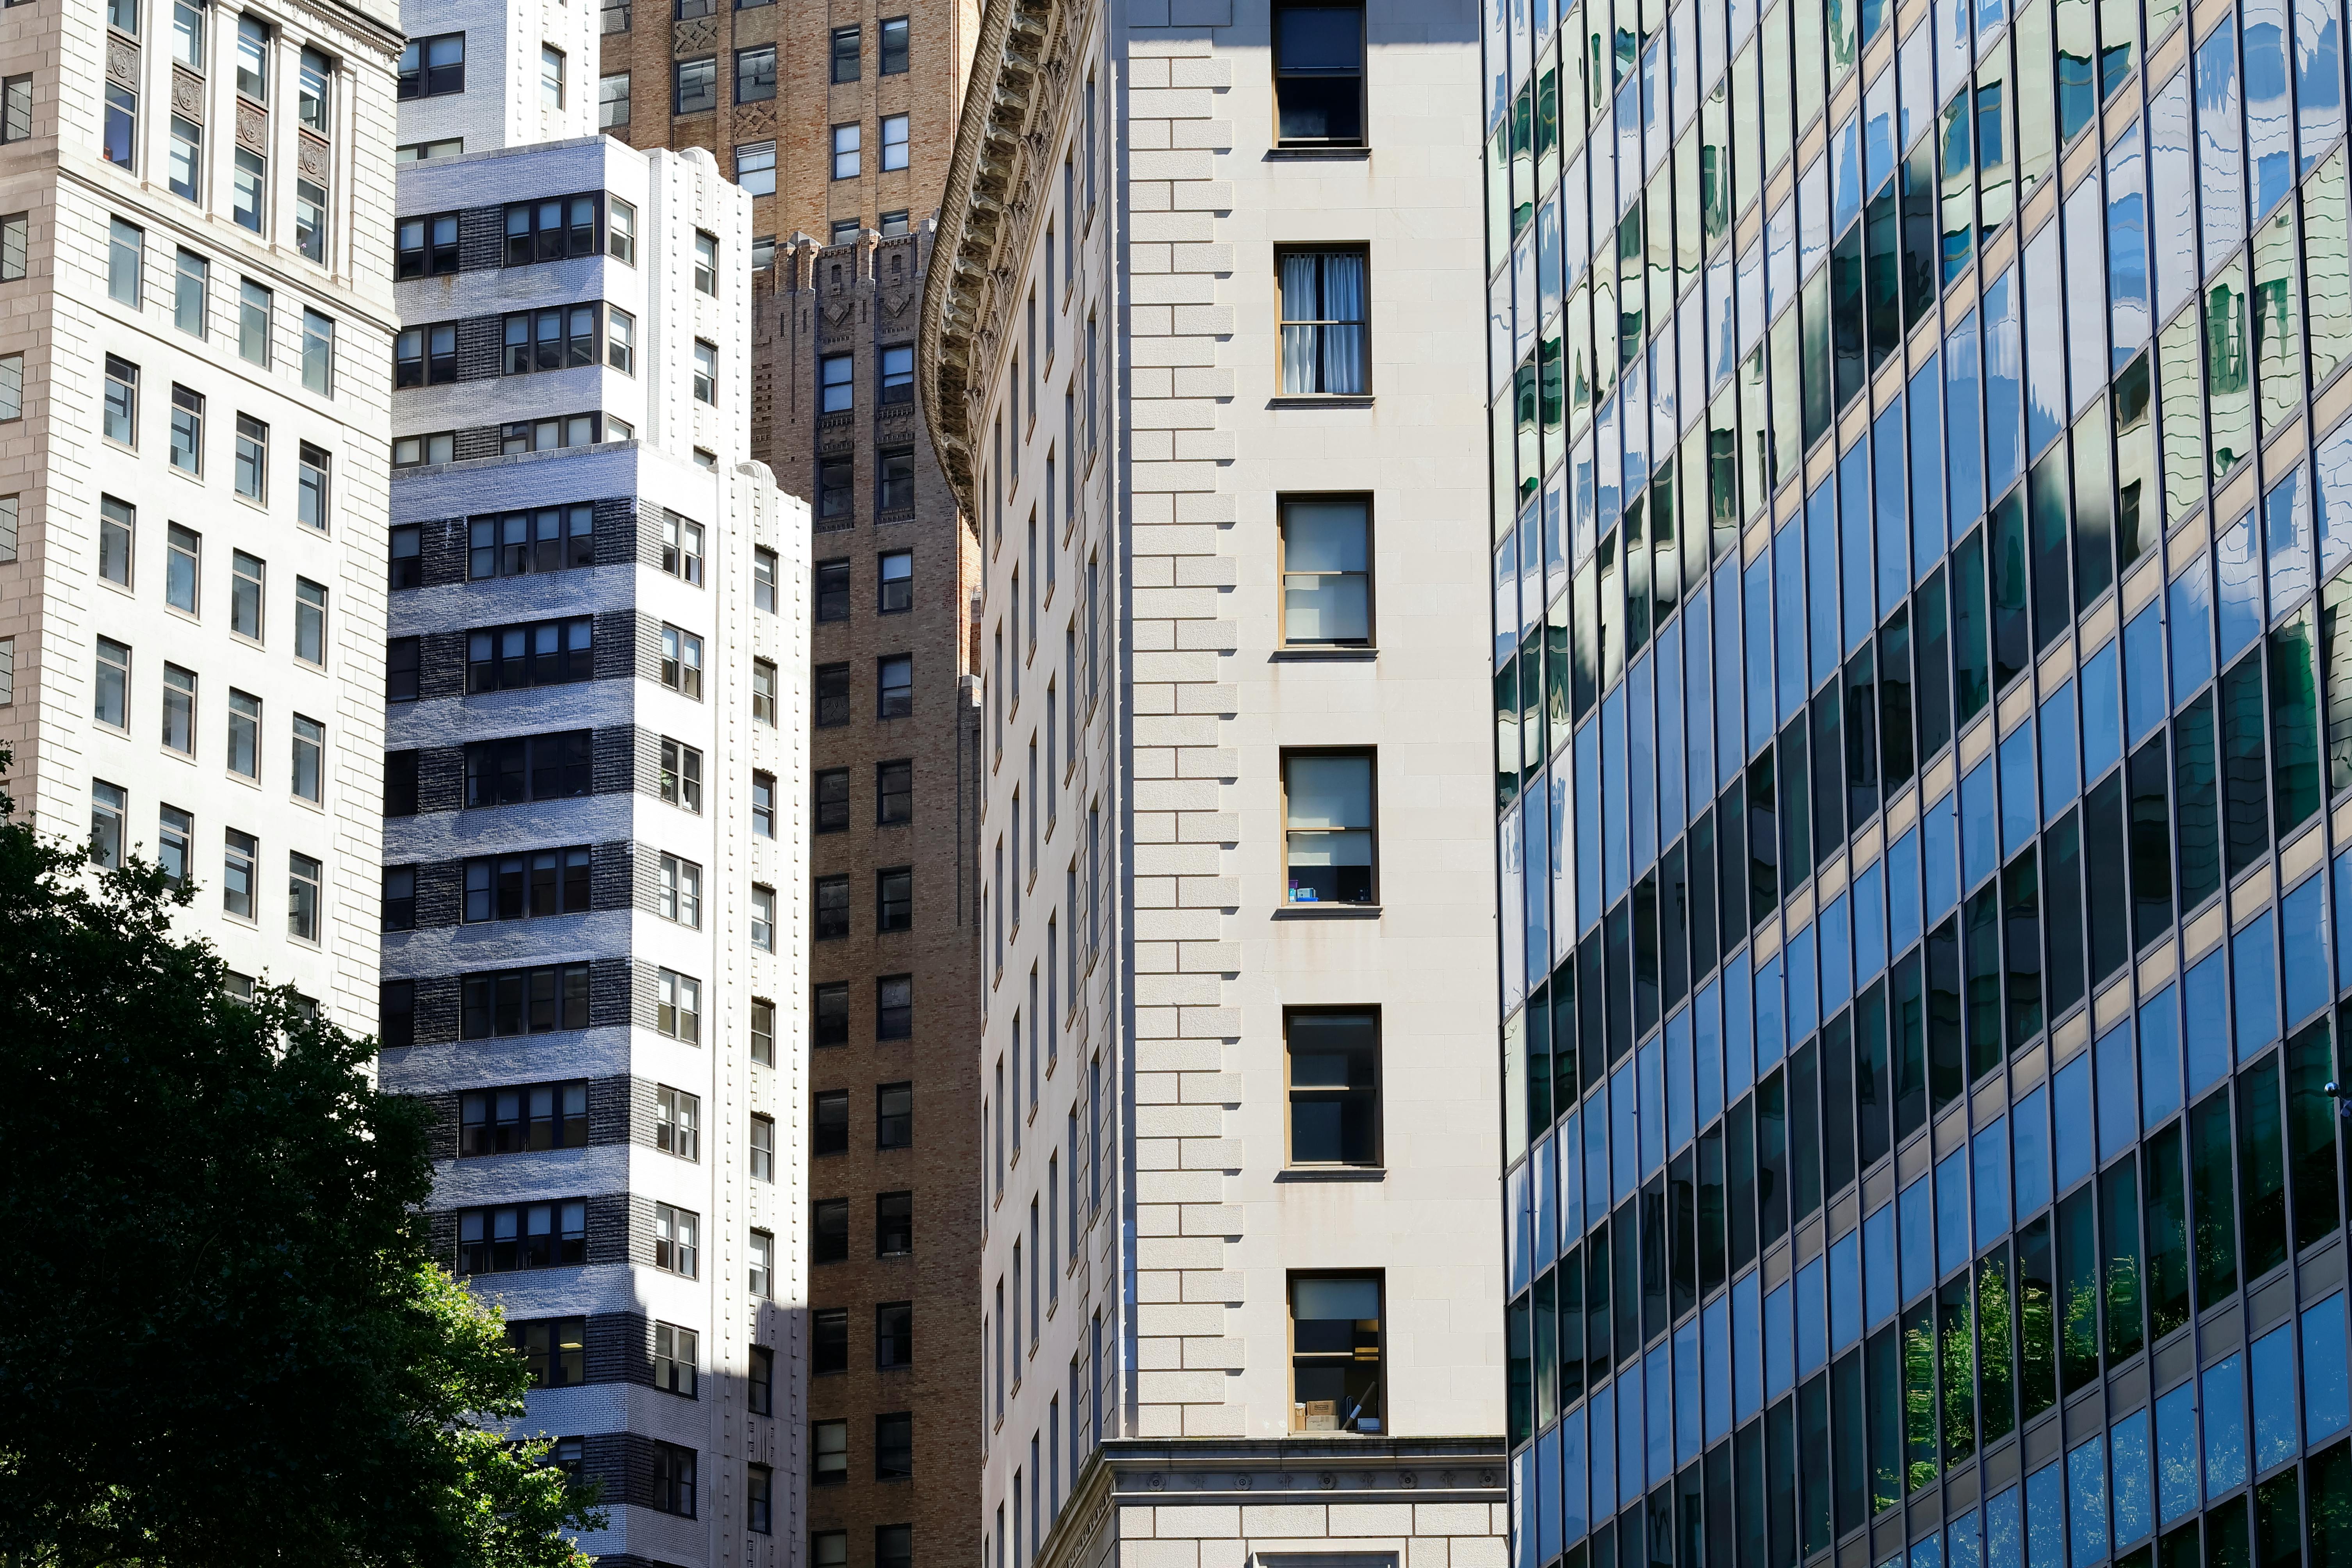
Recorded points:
(836, 384)
(244, 734)
(894, 1446)
(523, 1119)
(676, 1353)
(681, 554)
(674, 1480)
(677, 1005)
(763, 1032)
(252, 468)
(677, 1123)
(117, 521)
(15, 236)
(1325, 569)
(612, 94)
(310, 220)
(245, 584)
(893, 479)
(829, 1227)
(504, 1002)
(829, 1457)
(433, 66)
(311, 103)
(538, 653)
(758, 1498)
(253, 59)
(121, 142)
(1335, 1353)
(179, 731)
(319, 354)
(240, 873)
(763, 1380)
(893, 1225)
(551, 539)
(677, 892)
(526, 885)
(522, 1235)
(253, 322)
(763, 919)
(763, 1148)
(1329, 837)
(676, 1241)
(894, 142)
(893, 1116)
(426, 247)
(313, 480)
(111, 690)
(185, 159)
(894, 46)
(554, 1349)
(681, 776)
(1335, 1087)
(755, 74)
(249, 189)
(894, 1007)
(755, 167)
(621, 341)
(190, 278)
(697, 85)
(309, 622)
(831, 684)
(844, 152)
(550, 77)
(1324, 317)
(705, 263)
(681, 662)
(705, 371)
(126, 257)
(309, 756)
(187, 444)
(894, 686)
(830, 905)
(1319, 74)
(845, 54)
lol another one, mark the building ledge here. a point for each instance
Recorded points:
(1332, 1174)
(1321, 400)
(1318, 155)
(1323, 656)
(1327, 911)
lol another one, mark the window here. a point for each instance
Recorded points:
(832, 685)
(1328, 822)
(829, 1119)
(184, 161)
(554, 1349)
(844, 152)
(893, 479)
(763, 692)
(894, 142)
(538, 653)
(528, 767)
(621, 341)
(755, 167)
(893, 1116)
(831, 904)
(763, 804)
(120, 140)
(399, 782)
(845, 54)
(894, 1007)
(251, 470)
(895, 587)
(677, 1005)
(1335, 1090)
(244, 595)
(681, 554)
(1327, 573)
(254, 305)
(187, 442)
(253, 59)
(551, 230)
(109, 804)
(621, 231)
(696, 83)
(249, 189)
(510, 1002)
(893, 1225)
(126, 255)
(763, 1380)
(244, 734)
(179, 710)
(705, 371)
(309, 756)
(763, 1031)
(895, 224)
(894, 898)
(844, 232)
(762, 1282)
(828, 1453)
(399, 897)
(612, 93)
(763, 1148)
(1323, 322)
(15, 238)
(550, 539)
(418, 152)
(310, 88)
(836, 381)
(678, 891)
(681, 776)
(516, 1236)
(833, 487)
(677, 1240)
(122, 414)
(830, 800)
(427, 247)
(763, 919)
(433, 66)
(681, 662)
(395, 1013)
(758, 1498)
(829, 1230)
(894, 1446)
(1319, 74)
(705, 262)
(562, 338)
(674, 1480)
(319, 354)
(894, 686)
(894, 46)
(677, 1123)
(894, 1335)
(550, 77)
(898, 374)
(755, 74)
(313, 480)
(112, 688)
(526, 1120)
(310, 220)
(116, 521)
(677, 1352)
(528, 885)
(1335, 1353)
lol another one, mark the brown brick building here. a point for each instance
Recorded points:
(839, 118)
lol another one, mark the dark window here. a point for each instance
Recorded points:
(431, 67)
(553, 228)
(426, 246)
(893, 1225)
(407, 557)
(1335, 1088)
(519, 887)
(833, 590)
(829, 1339)
(845, 54)
(832, 902)
(395, 1013)
(894, 479)
(893, 1116)
(674, 1480)
(829, 1123)
(759, 1500)
(894, 1446)
(830, 1010)
(677, 1356)
(402, 658)
(563, 337)
(829, 1459)
(555, 1349)
(524, 1001)
(528, 767)
(898, 374)
(763, 1379)
(894, 585)
(1335, 1353)
(696, 85)
(400, 784)
(894, 46)
(522, 1235)
(426, 356)
(400, 897)
(894, 1544)
(1318, 73)
(833, 487)
(894, 1007)
(832, 682)
(894, 1334)
(548, 539)
(522, 1120)
(755, 74)
(893, 792)
(539, 653)
(894, 686)
(832, 800)
(829, 1230)
(894, 898)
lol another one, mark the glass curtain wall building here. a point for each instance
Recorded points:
(1922, 496)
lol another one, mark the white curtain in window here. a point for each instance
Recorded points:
(1343, 308)
(1298, 306)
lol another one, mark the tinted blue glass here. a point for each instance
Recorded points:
(1845, 1291)
(2118, 1093)
(1571, 1178)
(1642, 763)
(2254, 965)
(1821, 553)
(1902, 891)
(2005, 1530)
(1836, 928)
(2020, 814)
(2325, 1411)
(2059, 769)
(2086, 1505)
(1624, 1134)
(1880, 1289)
(2127, 289)
(1979, 824)
(1548, 1489)
(1587, 826)
(1673, 810)
(2032, 1131)
(2144, 684)
(1658, 1387)
(2103, 718)
(1940, 833)
(2159, 1058)
(2045, 350)
(1928, 540)
(1869, 925)
(1964, 1542)
(2176, 1453)
(2220, 175)
(1951, 1212)
(1707, 1015)
(1747, 1333)
(1779, 1343)
(1738, 1027)
(1760, 708)
(2224, 1408)
(2240, 596)
(1631, 1386)
(2205, 1024)
(1888, 487)
(1679, 1126)
(1927, 1553)
(2004, 385)
(2303, 928)
(2273, 1382)
(2045, 1518)
(1788, 605)
(1689, 1423)
(1730, 745)
(1963, 429)
(1989, 1149)
(1812, 1320)
(2071, 1099)
(1654, 1106)
(1698, 722)
(1854, 562)
(1916, 1217)
(1546, 1191)
(2286, 541)
(1596, 1157)
(1613, 795)
(2343, 875)
(1718, 1321)
(2191, 612)
(1771, 1017)
(1575, 1512)
(1523, 1492)
(2270, 133)
(1804, 985)
(2135, 1480)
(1518, 1238)
(1602, 1406)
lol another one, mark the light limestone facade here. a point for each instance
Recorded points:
(150, 195)
(1105, 363)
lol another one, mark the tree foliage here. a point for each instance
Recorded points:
(223, 1338)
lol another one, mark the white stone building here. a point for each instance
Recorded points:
(1203, 340)
(193, 325)
(595, 947)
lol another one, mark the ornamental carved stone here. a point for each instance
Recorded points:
(312, 158)
(187, 94)
(690, 38)
(121, 60)
(252, 127)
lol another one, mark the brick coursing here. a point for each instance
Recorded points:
(440, 1001)
(481, 238)
(613, 879)
(479, 342)
(617, 533)
(477, 441)
(441, 885)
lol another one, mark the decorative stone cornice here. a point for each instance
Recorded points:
(1011, 108)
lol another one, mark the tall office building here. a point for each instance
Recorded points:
(1200, 344)
(1919, 490)
(838, 120)
(194, 420)
(594, 946)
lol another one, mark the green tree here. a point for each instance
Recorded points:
(223, 1340)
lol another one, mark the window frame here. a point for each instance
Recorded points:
(1275, 75)
(1371, 574)
(1378, 1279)
(1370, 754)
(1291, 1090)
